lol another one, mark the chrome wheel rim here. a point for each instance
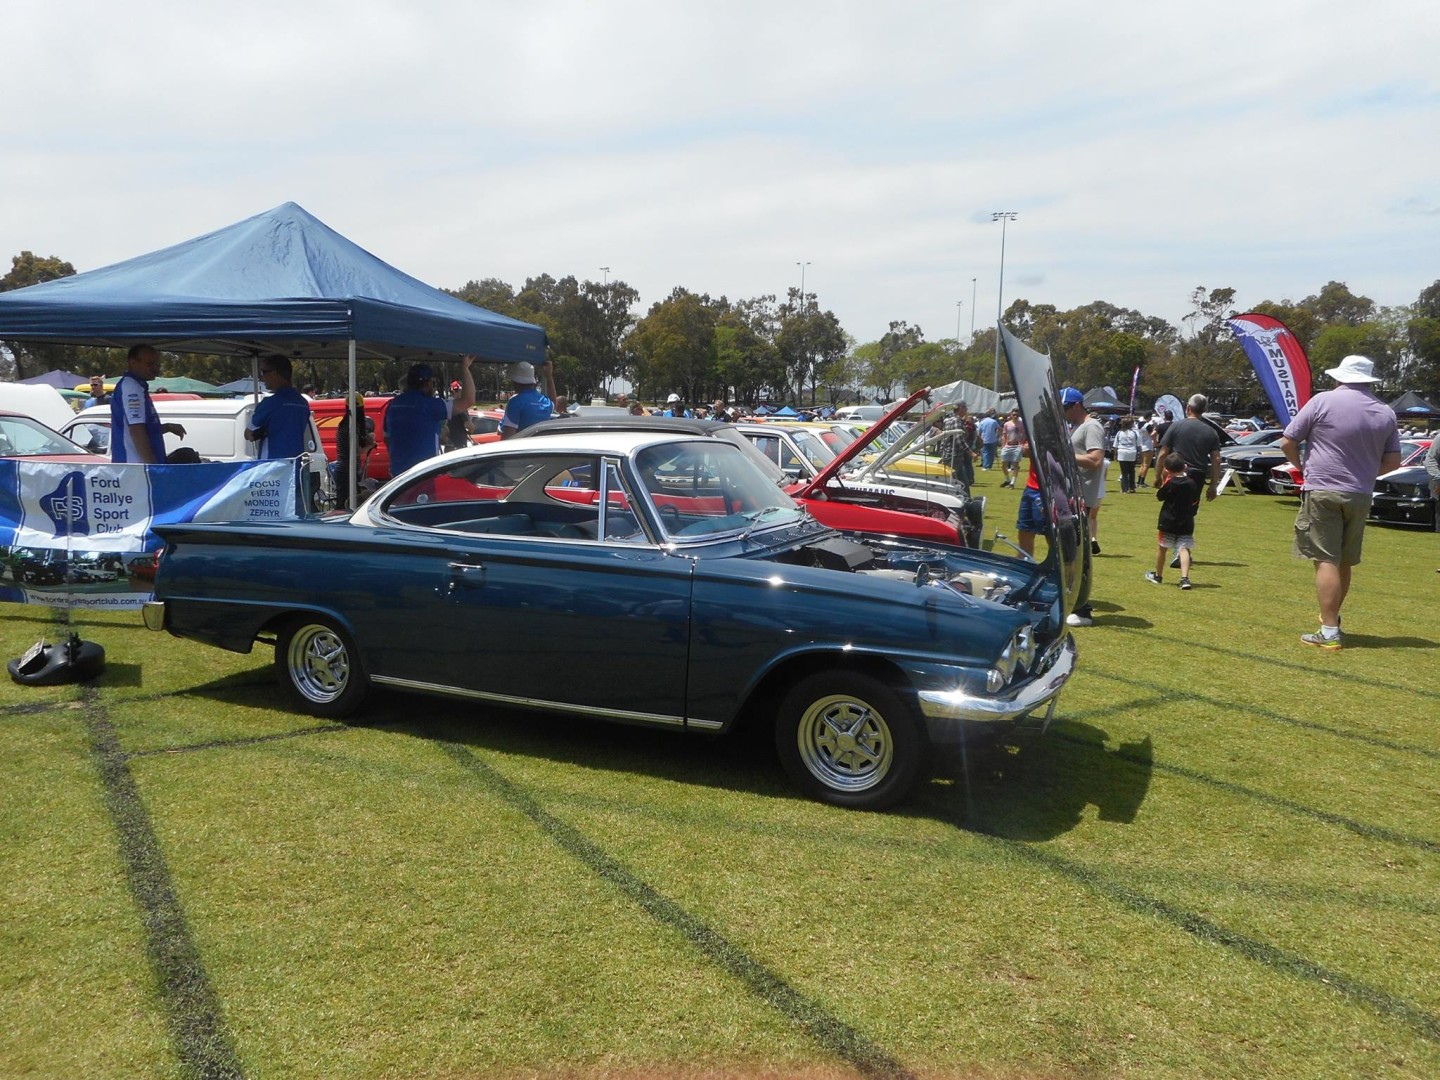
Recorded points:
(845, 743)
(319, 664)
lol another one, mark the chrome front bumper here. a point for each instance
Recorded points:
(948, 712)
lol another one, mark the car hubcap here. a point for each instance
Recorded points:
(319, 664)
(845, 743)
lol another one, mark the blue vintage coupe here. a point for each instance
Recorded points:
(655, 578)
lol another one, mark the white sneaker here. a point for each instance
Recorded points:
(1078, 620)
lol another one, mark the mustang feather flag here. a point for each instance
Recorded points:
(1278, 359)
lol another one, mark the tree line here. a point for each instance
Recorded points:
(790, 349)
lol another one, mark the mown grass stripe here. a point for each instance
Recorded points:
(829, 1032)
(1173, 696)
(1277, 959)
(1288, 665)
(1360, 828)
(248, 740)
(192, 1008)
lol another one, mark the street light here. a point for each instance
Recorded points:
(958, 305)
(1004, 217)
(606, 271)
(972, 309)
(802, 266)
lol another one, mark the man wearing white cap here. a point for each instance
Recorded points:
(1351, 438)
(675, 407)
(528, 406)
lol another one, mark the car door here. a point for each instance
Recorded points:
(520, 590)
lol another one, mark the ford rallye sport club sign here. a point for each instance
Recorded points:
(81, 533)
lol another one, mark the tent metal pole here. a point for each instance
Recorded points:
(351, 480)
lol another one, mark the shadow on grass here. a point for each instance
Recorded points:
(119, 675)
(1037, 788)
(1371, 641)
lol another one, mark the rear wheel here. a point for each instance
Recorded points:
(318, 664)
(849, 740)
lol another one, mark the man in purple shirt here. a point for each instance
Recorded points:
(1352, 438)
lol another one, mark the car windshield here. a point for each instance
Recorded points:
(706, 488)
(1252, 437)
(22, 437)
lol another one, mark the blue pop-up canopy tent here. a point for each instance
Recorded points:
(281, 281)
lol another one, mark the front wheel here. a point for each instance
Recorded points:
(849, 740)
(319, 666)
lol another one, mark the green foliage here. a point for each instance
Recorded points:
(752, 349)
(22, 360)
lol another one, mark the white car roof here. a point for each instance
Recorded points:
(184, 407)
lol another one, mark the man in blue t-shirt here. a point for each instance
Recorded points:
(528, 406)
(136, 433)
(281, 422)
(413, 419)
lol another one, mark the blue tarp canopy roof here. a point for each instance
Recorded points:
(281, 281)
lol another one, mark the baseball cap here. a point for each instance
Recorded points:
(522, 371)
(1070, 396)
(419, 373)
(672, 399)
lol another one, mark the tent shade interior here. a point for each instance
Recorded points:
(281, 281)
(1412, 406)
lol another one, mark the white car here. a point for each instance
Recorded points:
(214, 429)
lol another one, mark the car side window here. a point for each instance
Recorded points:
(524, 494)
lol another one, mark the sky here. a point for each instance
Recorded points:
(1145, 148)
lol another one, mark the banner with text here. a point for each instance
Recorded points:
(81, 534)
(1278, 360)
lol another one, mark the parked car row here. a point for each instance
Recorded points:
(1402, 496)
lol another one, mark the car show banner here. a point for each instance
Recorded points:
(1278, 360)
(80, 534)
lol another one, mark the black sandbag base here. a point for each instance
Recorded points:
(70, 661)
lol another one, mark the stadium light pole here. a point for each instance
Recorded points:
(606, 271)
(1004, 217)
(972, 309)
(959, 305)
(802, 266)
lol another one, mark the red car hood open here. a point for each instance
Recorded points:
(855, 449)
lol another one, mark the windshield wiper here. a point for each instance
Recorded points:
(755, 517)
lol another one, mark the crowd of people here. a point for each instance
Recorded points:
(1350, 436)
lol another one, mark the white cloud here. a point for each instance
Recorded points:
(1147, 148)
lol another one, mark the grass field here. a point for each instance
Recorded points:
(1222, 860)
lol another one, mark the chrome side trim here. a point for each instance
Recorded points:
(704, 725)
(654, 719)
(951, 706)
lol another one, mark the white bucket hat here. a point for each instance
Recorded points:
(1354, 369)
(522, 371)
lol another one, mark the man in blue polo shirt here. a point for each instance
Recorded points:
(413, 419)
(281, 422)
(136, 433)
(528, 406)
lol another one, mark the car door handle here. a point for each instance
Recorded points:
(463, 576)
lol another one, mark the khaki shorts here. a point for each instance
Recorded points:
(1331, 525)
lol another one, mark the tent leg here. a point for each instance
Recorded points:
(352, 481)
